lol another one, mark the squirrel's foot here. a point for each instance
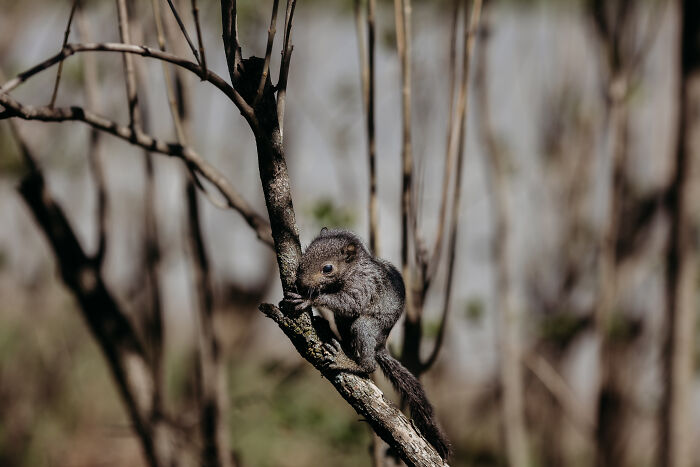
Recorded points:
(333, 347)
(336, 360)
(297, 301)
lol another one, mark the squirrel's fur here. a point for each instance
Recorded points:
(366, 296)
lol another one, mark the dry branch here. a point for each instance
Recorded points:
(70, 49)
(114, 333)
(60, 65)
(254, 220)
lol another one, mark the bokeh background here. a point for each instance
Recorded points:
(547, 79)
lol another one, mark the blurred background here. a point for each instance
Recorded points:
(557, 104)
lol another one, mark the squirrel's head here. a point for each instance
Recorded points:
(327, 261)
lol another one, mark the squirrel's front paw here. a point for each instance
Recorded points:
(335, 359)
(297, 301)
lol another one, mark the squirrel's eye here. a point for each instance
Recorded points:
(327, 269)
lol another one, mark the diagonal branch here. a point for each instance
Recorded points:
(268, 52)
(234, 199)
(361, 393)
(70, 49)
(368, 86)
(184, 31)
(132, 96)
(60, 65)
(108, 324)
(284, 67)
(94, 156)
(452, 123)
(470, 31)
(202, 55)
(232, 48)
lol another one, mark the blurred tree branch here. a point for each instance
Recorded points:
(681, 263)
(262, 105)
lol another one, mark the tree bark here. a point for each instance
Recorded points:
(681, 269)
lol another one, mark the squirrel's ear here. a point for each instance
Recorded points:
(350, 252)
(324, 231)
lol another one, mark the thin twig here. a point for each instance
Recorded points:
(470, 31)
(60, 65)
(232, 48)
(284, 67)
(368, 87)
(108, 324)
(557, 387)
(268, 52)
(211, 371)
(94, 156)
(184, 32)
(70, 49)
(450, 153)
(170, 93)
(202, 55)
(402, 16)
(509, 335)
(61, 114)
(132, 96)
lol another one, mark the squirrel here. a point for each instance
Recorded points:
(366, 296)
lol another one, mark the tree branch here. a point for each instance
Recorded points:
(184, 31)
(268, 52)
(284, 67)
(110, 327)
(368, 86)
(361, 393)
(60, 65)
(202, 55)
(234, 199)
(94, 156)
(130, 76)
(470, 31)
(70, 49)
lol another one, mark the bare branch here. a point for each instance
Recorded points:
(556, 385)
(470, 31)
(202, 55)
(232, 47)
(677, 438)
(513, 409)
(60, 65)
(450, 153)
(212, 374)
(235, 201)
(284, 67)
(361, 393)
(184, 31)
(402, 15)
(132, 96)
(268, 52)
(368, 85)
(108, 324)
(94, 156)
(170, 93)
(70, 49)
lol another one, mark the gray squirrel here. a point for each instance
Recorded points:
(366, 296)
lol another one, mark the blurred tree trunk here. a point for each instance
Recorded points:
(510, 366)
(681, 270)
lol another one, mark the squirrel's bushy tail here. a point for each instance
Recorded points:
(411, 390)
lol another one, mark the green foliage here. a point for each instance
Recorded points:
(561, 328)
(474, 310)
(620, 328)
(327, 214)
(305, 418)
(10, 162)
(431, 328)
